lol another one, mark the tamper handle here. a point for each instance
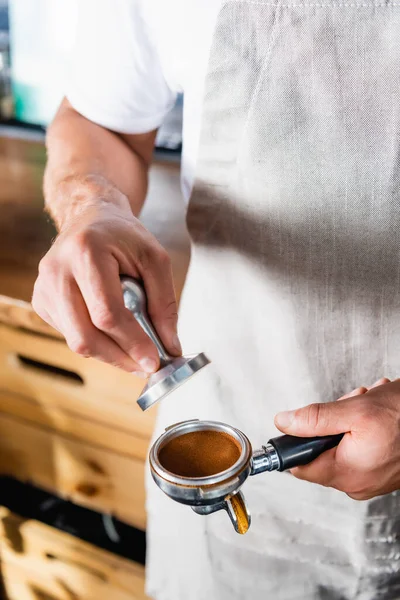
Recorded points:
(135, 300)
(294, 451)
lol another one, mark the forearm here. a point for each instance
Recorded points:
(89, 165)
(95, 184)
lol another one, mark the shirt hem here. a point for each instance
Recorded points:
(133, 126)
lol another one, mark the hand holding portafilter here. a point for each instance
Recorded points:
(174, 370)
(195, 463)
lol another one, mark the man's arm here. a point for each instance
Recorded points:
(85, 159)
(95, 184)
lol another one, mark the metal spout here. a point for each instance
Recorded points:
(237, 510)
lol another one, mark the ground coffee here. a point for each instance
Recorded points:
(199, 453)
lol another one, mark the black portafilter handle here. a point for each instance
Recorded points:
(295, 451)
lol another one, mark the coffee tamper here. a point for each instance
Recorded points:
(222, 490)
(174, 370)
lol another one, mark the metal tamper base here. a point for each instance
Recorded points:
(170, 377)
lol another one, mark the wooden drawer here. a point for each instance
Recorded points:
(76, 427)
(68, 424)
(42, 369)
(90, 475)
(42, 563)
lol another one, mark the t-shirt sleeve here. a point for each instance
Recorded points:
(115, 76)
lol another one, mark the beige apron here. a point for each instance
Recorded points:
(293, 291)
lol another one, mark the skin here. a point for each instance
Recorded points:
(367, 461)
(95, 185)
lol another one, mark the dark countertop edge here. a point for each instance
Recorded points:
(37, 134)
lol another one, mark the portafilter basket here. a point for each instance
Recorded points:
(222, 490)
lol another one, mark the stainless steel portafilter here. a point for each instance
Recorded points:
(221, 490)
(174, 370)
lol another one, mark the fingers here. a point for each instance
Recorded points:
(357, 392)
(380, 381)
(99, 284)
(82, 336)
(325, 470)
(358, 484)
(318, 419)
(70, 317)
(322, 470)
(161, 301)
(149, 261)
(363, 389)
(78, 291)
(39, 307)
(324, 418)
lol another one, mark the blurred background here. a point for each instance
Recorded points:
(35, 39)
(73, 443)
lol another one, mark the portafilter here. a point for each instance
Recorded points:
(221, 459)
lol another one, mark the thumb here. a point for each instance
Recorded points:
(320, 419)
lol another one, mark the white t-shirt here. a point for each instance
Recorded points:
(132, 57)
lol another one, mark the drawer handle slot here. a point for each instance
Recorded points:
(77, 563)
(71, 376)
(87, 489)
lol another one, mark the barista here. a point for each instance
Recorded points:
(290, 160)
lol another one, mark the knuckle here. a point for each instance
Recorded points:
(80, 345)
(171, 310)
(81, 243)
(82, 240)
(153, 253)
(360, 390)
(314, 415)
(104, 319)
(163, 256)
(145, 256)
(139, 348)
(47, 268)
